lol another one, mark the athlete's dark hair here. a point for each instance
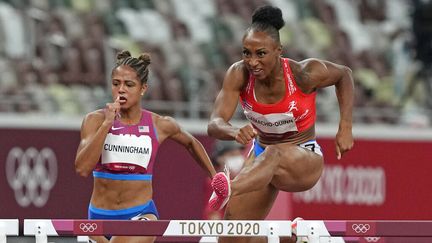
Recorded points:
(267, 19)
(140, 64)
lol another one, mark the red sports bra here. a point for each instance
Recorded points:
(294, 113)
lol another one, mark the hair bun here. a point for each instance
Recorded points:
(269, 15)
(123, 54)
(145, 57)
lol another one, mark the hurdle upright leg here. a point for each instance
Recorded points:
(274, 232)
(273, 239)
(8, 227)
(313, 230)
(2, 233)
(41, 235)
(40, 229)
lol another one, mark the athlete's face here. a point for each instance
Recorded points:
(261, 54)
(126, 85)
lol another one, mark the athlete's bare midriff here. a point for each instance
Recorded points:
(292, 138)
(120, 194)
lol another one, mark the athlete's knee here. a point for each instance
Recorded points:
(306, 185)
(315, 178)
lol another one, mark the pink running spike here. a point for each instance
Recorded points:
(216, 203)
(222, 190)
(221, 185)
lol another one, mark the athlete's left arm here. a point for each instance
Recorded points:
(323, 74)
(168, 128)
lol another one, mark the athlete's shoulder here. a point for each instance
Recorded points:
(166, 126)
(92, 121)
(94, 116)
(311, 68)
(164, 123)
(312, 63)
(237, 68)
(237, 75)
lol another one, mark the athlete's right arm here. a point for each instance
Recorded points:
(225, 106)
(94, 129)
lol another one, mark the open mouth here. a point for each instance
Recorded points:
(122, 99)
(257, 72)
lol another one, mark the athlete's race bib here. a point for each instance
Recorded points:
(312, 146)
(127, 149)
(277, 123)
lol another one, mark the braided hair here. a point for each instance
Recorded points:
(140, 64)
(267, 19)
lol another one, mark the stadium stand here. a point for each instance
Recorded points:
(54, 55)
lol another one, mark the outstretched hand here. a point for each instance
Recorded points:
(246, 134)
(344, 142)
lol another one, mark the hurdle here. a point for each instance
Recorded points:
(42, 228)
(8, 227)
(317, 231)
(365, 228)
(362, 230)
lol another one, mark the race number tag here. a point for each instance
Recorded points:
(278, 123)
(127, 149)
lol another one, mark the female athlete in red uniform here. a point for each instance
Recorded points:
(278, 98)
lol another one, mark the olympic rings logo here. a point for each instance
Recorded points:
(88, 227)
(372, 239)
(361, 228)
(31, 174)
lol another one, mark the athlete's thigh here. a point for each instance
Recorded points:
(298, 168)
(250, 206)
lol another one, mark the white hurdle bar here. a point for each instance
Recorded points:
(317, 231)
(329, 231)
(42, 228)
(8, 227)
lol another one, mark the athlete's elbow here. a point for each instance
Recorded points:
(211, 129)
(81, 170)
(348, 71)
(346, 77)
(83, 173)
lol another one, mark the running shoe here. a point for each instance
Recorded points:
(221, 190)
